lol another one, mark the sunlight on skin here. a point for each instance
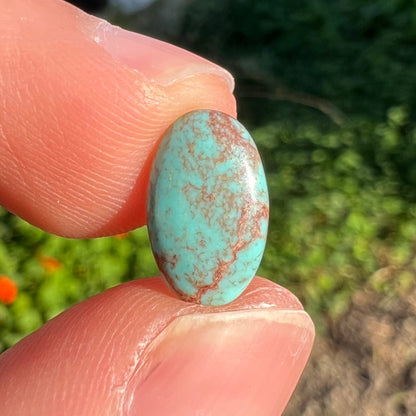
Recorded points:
(137, 348)
(84, 106)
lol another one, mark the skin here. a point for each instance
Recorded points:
(82, 108)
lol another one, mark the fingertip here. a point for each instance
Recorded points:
(80, 124)
(136, 347)
(191, 92)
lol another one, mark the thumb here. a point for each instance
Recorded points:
(83, 104)
(137, 350)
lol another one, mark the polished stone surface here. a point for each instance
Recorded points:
(207, 208)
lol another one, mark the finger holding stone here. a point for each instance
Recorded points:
(83, 105)
(137, 349)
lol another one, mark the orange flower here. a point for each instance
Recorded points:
(121, 236)
(51, 264)
(8, 290)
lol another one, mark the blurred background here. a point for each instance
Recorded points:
(328, 90)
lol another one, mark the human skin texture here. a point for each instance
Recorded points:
(138, 350)
(83, 106)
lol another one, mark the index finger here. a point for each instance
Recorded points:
(83, 105)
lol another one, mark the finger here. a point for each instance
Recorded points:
(83, 105)
(136, 349)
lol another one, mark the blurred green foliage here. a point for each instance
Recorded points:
(357, 54)
(339, 153)
(343, 211)
(53, 273)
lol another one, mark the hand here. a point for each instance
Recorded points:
(83, 105)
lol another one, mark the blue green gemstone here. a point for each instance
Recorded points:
(207, 208)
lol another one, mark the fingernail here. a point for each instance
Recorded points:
(245, 363)
(157, 60)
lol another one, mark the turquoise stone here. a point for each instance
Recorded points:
(207, 208)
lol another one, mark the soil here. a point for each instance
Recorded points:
(366, 365)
